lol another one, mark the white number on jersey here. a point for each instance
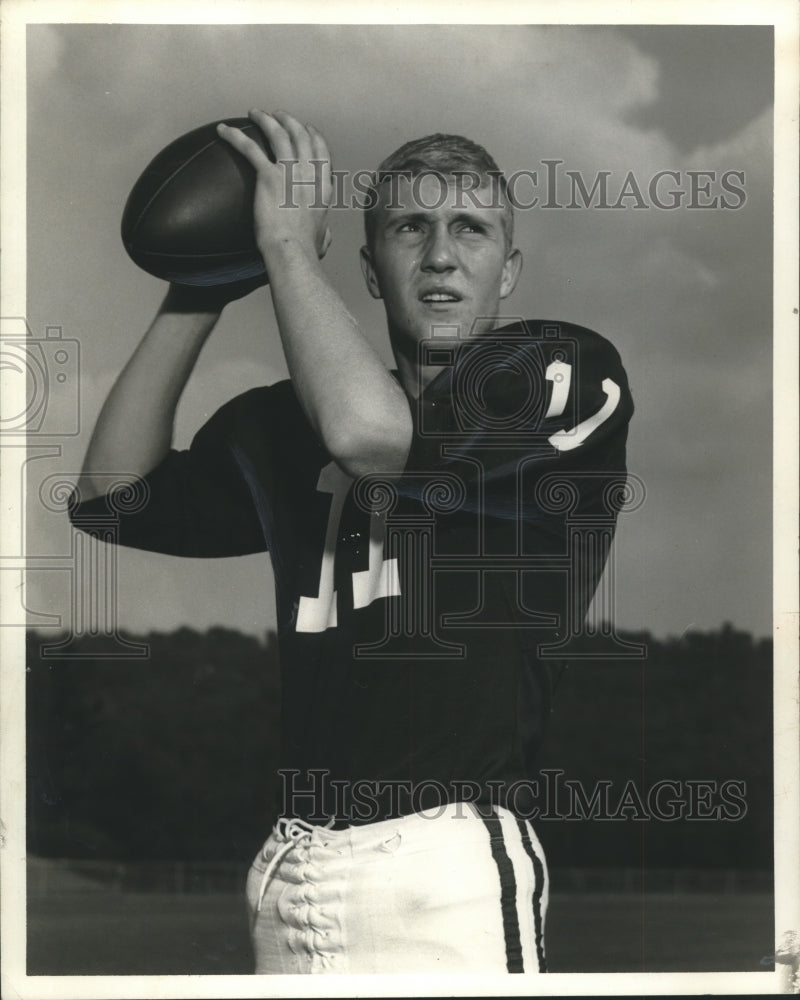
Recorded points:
(316, 614)
(560, 374)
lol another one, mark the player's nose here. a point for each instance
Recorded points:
(439, 252)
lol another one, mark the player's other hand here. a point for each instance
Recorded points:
(293, 194)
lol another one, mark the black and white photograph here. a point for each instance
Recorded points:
(399, 451)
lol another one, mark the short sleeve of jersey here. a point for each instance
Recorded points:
(196, 502)
(526, 429)
(556, 390)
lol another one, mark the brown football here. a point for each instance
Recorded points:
(189, 217)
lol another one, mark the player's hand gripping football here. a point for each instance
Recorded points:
(292, 195)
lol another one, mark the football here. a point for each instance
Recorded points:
(189, 216)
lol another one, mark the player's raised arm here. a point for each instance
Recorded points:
(134, 430)
(357, 409)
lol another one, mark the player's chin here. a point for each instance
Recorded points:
(446, 319)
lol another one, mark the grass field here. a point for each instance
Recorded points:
(78, 926)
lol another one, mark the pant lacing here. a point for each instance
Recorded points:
(294, 831)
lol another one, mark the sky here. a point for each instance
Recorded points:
(684, 294)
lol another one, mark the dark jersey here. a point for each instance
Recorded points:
(416, 613)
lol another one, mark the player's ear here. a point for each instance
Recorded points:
(368, 270)
(511, 272)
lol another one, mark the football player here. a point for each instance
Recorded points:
(428, 533)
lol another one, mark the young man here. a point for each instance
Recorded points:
(436, 535)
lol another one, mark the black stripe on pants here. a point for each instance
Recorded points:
(538, 871)
(508, 893)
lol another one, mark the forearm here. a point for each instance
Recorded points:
(134, 430)
(358, 410)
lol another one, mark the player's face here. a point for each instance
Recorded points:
(439, 259)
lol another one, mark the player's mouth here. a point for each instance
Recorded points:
(440, 296)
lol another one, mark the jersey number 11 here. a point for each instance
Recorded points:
(380, 579)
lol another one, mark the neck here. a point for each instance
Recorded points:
(413, 376)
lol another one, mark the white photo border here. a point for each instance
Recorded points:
(16, 15)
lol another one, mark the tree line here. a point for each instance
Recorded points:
(655, 762)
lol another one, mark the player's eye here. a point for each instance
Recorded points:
(408, 227)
